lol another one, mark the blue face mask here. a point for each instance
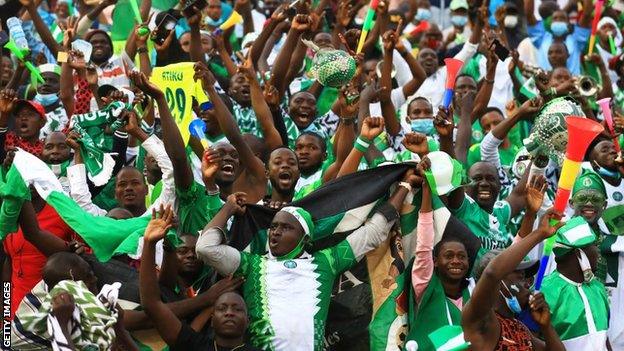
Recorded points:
(512, 302)
(209, 21)
(607, 173)
(459, 21)
(559, 28)
(423, 125)
(46, 99)
(423, 14)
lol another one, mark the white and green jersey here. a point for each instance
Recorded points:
(612, 220)
(612, 248)
(288, 300)
(579, 312)
(491, 228)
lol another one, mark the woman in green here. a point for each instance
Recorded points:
(439, 277)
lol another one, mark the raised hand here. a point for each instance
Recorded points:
(389, 41)
(372, 127)
(69, 27)
(202, 72)
(8, 98)
(530, 108)
(72, 140)
(166, 43)
(247, 68)
(301, 23)
(211, 161)
(443, 122)
(76, 60)
(535, 190)
(345, 13)
(416, 143)
(545, 230)
(161, 222)
(142, 82)
(539, 309)
(235, 203)
(271, 95)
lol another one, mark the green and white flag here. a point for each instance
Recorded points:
(106, 236)
(529, 89)
(445, 174)
(94, 144)
(449, 338)
(371, 299)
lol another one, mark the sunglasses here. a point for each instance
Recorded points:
(584, 198)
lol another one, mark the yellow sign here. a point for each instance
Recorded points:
(176, 81)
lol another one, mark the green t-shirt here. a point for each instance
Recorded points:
(490, 228)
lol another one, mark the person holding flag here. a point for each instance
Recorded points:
(289, 275)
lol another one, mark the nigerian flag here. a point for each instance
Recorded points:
(106, 236)
(369, 305)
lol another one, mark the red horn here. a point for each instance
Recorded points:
(581, 132)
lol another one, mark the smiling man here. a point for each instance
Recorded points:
(478, 208)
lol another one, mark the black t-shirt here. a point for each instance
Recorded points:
(190, 340)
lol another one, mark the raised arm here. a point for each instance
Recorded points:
(464, 128)
(261, 108)
(422, 269)
(196, 52)
(478, 315)
(586, 19)
(44, 241)
(529, 11)
(392, 122)
(487, 85)
(268, 31)
(374, 232)
(228, 124)
(300, 24)
(174, 145)
(371, 128)
(210, 248)
(41, 27)
(535, 196)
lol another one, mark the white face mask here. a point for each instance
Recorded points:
(511, 21)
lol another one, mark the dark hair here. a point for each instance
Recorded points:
(418, 98)
(491, 109)
(62, 266)
(599, 139)
(446, 239)
(461, 75)
(320, 139)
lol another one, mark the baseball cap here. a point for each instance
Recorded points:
(33, 105)
(458, 4)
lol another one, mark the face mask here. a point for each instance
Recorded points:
(209, 21)
(459, 21)
(588, 274)
(511, 21)
(423, 14)
(46, 99)
(607, 173)
(424, 126)
(559, 28)
(512, 302)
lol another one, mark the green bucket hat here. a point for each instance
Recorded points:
(449, 338)
(575, 234)
(589, 180)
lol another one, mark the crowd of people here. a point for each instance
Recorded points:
(184, 175)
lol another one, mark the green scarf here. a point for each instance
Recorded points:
(94, 143)
(60, 169)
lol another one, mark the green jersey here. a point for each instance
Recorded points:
(491, 228)
(579, 312)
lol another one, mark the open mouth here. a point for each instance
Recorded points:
(227, 169)
(273, 242)
(588, 211)
(129, 197)
(456, 270)
(284, 177)
(305, 116)
(245, 92)
(484, 194)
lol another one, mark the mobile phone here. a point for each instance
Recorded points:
(83, 46)
(166, 24)
(189, 8)
(500, 51)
